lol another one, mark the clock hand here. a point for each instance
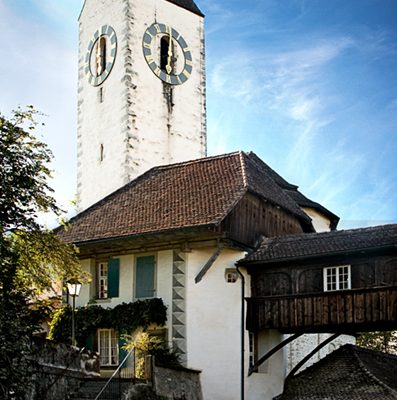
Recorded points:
(169, 58)
(98, 58)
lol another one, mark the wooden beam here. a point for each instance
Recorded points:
(271, 352)
(209, 263)
(311, 354)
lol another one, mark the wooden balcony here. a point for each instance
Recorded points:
(347, 311)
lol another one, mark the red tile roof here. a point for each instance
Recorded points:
(185, 195)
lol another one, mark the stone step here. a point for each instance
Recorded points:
(90, 388)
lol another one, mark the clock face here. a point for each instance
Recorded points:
(167, 54)
(100, 55)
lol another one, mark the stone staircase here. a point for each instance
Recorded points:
(90, 388)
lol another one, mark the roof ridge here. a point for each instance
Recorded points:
(195, 161)
(335, 232)
(243, 165)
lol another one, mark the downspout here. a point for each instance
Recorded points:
(242, 332)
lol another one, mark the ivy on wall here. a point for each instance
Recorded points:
(125, 318)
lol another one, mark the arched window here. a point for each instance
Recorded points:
(101, 56)
(165, 54)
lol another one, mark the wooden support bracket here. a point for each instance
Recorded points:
(209, 263)
(311, 354)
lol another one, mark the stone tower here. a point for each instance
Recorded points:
(141, 91)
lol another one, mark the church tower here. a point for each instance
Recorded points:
(141, 91)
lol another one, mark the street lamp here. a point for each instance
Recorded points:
(74, 291)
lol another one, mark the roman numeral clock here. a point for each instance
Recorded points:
(167, 54)
(163, 48)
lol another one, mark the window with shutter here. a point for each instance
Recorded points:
(108, 276)
(113, 277)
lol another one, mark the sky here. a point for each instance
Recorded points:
(309, 85)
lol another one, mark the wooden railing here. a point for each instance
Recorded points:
(356, 310)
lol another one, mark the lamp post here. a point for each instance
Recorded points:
(74, 291)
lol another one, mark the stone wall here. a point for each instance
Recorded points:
(59, 369)
(177, 383)
(167, 384)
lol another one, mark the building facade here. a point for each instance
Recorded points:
(158, 218)
(141, 91)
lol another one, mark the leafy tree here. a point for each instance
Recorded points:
(380, 341)
(145, 344)
(32, 258)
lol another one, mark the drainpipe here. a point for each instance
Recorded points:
(242, 332)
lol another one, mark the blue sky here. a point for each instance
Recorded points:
(309, 85)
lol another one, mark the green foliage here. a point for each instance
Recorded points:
(17, 325)
(125, 318)
(23, 173)
(379, 341)
(31, 257)
(40, 257)
(146, 344)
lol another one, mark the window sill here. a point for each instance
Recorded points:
(108, 300)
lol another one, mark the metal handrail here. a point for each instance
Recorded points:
(114, 374)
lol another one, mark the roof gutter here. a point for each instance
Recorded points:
(242, 349)
(143, 235)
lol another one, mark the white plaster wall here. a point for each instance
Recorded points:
(319, 221)
(268, 381)
(100, 123)
(133, 122)
(185, 140)
(163, 282)
(302, 346)
(213, 315)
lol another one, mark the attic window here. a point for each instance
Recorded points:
(337, 278)
(100, 56)
(101, 152)
(165, 54)
(231, 275)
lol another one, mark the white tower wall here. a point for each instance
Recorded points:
(140, 121)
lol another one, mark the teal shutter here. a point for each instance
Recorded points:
(113, 277)
(89, 342)
(144, 282)
(122, 352)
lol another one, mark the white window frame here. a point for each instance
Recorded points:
(231, 275)
(338, 272)
(102, 274)
(108, 347)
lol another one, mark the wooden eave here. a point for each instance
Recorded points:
(184, 238)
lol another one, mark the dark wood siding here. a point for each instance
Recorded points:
(366, 272)
(345, 311)
(253, 217)
(290, 296)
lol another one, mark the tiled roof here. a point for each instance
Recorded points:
(317, 244)
(292, 191)
(188, 5)
(185, 195)
(349, 373)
